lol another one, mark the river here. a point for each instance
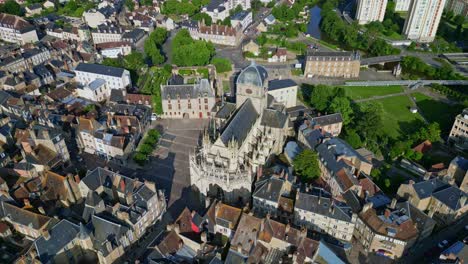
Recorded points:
(313, 28)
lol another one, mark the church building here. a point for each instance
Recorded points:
(225, 163)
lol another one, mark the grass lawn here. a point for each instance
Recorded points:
(437, 111)
(397, 119)
(362, 92)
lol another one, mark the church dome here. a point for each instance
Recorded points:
(253, 75)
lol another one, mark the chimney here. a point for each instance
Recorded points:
(41, 210)
(288, 227)
(150, 185)
(26, 203)
(367, 206)
(203, 237)
(411, 182)
(239, 247)
(427, 176)
(177, 228)
(463, 200)
(207, 201)
(393, 204)
(45, 234)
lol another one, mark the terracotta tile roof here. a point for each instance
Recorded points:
(54, 187)
(170, 244)
(137, 98)
(184, 221)
(368, 186)
(403, 231)
(286, 204)
(228, 213)
(344, 179)
(423, 147)
(110, 45)
(215, 29)
(15, 22)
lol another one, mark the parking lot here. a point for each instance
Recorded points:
(169, 164)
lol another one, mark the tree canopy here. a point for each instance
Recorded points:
(153, 45)
(11, 7)
(189, 52)
(306, 165)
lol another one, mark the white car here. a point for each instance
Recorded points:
(154, 117)
(443, 244)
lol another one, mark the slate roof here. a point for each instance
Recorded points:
(425, 189)
(240, 16)
(273, 118)
(253, 75)
(396, 224)
(240, 123)
(60, 236)
(100, 69)
(105, 229)
(280, 84)
(226, 110)
(187, 90)
(330, 55)
(327, 119)
(270, 190)
(451, 197)
(324, 206)
(22, 216)
(215, 4)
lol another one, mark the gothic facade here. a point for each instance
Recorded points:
(225, 163)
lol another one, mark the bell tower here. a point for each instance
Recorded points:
(251, 84)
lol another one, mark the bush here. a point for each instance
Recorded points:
(140, 158)
(153, 133)
(146, 149)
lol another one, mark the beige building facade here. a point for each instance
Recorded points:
(332, 64)
(187, 100)
(459, 133)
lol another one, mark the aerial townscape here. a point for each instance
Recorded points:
(233, 131)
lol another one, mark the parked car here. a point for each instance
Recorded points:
(443, 244)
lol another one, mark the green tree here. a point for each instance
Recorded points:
(320, 97)
(147, 2)
(222, 64)
(203, 17)
(146, 149)
(369, 121)
(353, 139)
(236, 10)
(189, 52)
(458, 20)
(11, 7)
(140, 158)
(342, 105)
(134, 61)
(130, 4)
(306, 165)
(226, 21)
(159, 36)
(153, 52)
(153, 133)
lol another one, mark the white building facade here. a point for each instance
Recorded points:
(16, 30)
(402, 5)
(115, 78)
(370, 10)
(423, 20)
